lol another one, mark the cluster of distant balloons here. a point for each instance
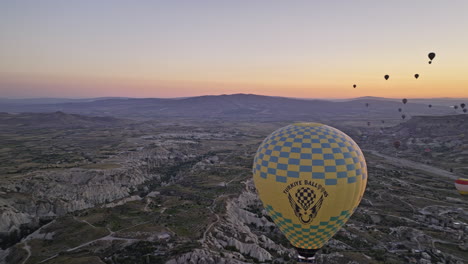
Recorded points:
(431, 57)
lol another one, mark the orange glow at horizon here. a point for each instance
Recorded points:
(81, 87)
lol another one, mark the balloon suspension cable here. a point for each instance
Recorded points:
(306, 255)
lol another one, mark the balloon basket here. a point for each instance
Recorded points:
(306, 255)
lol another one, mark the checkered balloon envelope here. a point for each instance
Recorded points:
(310, 178)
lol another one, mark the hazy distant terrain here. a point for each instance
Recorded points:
(169, 181)
(239, 106)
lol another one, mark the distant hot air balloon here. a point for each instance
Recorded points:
(464, 110)
(396, 144)
(383, 121)
(403, 116)
(455, 107)
(462, 186)
(404, 101)
(416, 76)
(399, 109)
(431, 56)
(310, 178)
(430, 106)
(368, 123)
(462, 105)
(386, 77)
(367, 104)
(354, 86)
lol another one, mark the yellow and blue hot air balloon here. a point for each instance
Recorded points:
(310, 178)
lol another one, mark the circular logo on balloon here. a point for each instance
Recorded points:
(306, 199)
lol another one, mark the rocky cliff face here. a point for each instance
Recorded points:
(233, 239)
(44, 195)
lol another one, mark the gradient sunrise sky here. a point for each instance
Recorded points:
(313, 49)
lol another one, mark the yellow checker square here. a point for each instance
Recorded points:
(316, 145)
(339, 156)
(283, 160)
(330, 163)
(318, 168)
(286, 149)
(264, 169)
(290, 139)
(272, 165)
(294, 155)
(305, 162)
(275, 153)
(307, 140)
(296, 145)
(334, 145)
(306, 150)
(293, 167)
(317, 156)
(330, 175)
(340, 168)
(283, 173)
(327, 151)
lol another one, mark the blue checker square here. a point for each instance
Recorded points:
(316, 151)
(265, 163)
(336, 150)
(341, 144)
(322, 136)
(347, 155)
(305, 168)
(306, 145)
(351, 179)
(281, 179)
(355, 160)
(358, 171)
(273, 142)
(330, 182)
(268, 152)
(271, 171)
(326, 145)
(293, 174)
(330, 169)
(284, 155)
(294, 161)
(297, 140)
(350, 167)
(273, 159)
(318, 163)
(342, 174)
(318, 175)
(306, 156)
(282, 166)
(282, 139)
(339, 162)
(295, 150)
(328, 156)
(331, 140)
(258, 167)
(263, 175)
(277, 148)
(314, 140)
(288, 144)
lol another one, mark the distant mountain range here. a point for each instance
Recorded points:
(235, 106)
